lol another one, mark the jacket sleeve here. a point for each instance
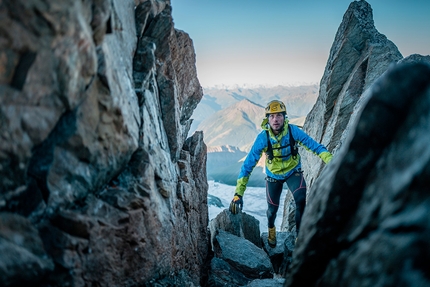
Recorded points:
(250, 162)
(311, 145)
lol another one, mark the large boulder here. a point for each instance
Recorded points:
(96, 102)
(243, 255)
(367, 223)
(241, 224)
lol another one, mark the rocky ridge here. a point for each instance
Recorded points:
(365, 223)
(99, 183)
(359, 55)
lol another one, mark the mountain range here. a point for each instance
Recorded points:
(298, 100)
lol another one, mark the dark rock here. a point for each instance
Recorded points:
(369, 215)
(278, 282)
(280, 255)
(23, 256)
(359, 55)
(243, 255)
(241, 224)
(289, 246)
(215, 201)
(179, 278)
(94, 118)
(223, 274)
(178, 87)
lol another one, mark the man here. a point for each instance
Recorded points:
(279, 141)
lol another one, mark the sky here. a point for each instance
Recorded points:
(285, 42)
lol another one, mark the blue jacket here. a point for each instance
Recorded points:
(280, 167)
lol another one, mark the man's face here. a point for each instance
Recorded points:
(276, 122)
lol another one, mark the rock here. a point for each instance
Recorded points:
(94, 152)
(241, 224)
(280, 255)
(360, 54)
(23, 257)
(416, 58)
(278, 282)
(243, 255)
(289, 246)
(223, 274)
(215, 201)
(179, 278)
(178, 87)
(369, 214)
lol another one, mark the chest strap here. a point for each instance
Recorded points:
(293, 147)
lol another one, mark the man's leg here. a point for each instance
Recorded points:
(297, 185)
(273, 194)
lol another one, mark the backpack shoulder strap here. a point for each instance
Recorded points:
(269, 152)
(293, 146)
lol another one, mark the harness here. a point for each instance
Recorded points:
(293, 147)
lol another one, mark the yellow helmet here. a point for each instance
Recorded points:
(275, 107)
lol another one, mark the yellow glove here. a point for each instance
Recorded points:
(236, 204)
(326, 157)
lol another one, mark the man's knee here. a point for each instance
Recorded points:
(300, 197)
(271, 211)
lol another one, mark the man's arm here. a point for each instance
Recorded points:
(311, 145)
(250, 162)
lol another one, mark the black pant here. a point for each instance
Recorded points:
(297, 185)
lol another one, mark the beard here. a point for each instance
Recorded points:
(277, 129)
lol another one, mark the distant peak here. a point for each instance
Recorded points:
(246, 103)
(223, 148)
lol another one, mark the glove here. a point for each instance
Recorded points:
(236, 204)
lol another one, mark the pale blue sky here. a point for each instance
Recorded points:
(285, 41)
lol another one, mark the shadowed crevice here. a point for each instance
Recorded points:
(21, 70)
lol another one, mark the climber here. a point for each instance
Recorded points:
(279, 142)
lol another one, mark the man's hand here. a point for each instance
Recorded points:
(236, 204)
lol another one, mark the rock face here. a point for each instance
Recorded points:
(358, 56)
(99, 183)
(367, 224)
(280, 255)
(241, 225)
(243, 255)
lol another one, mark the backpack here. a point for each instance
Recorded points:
(293, 147)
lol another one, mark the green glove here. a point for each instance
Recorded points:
(236, 204)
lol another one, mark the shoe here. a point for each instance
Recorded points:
(271, 239)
